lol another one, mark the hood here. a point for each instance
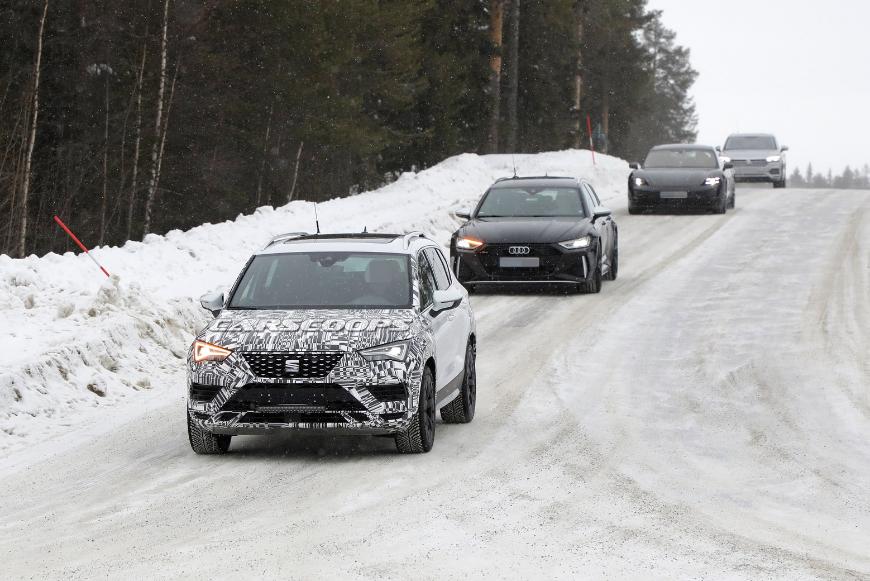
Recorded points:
(309, 329)
(750, 153)
(676, 177)
(526, 230)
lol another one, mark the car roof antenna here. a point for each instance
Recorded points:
(316, 220)
(514, 163)
(365, 229)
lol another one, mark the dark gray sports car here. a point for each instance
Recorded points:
(682, 176)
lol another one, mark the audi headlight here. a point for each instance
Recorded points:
(774, 158)
(467, 243)
(583, 242)
(203, 351)
(640, 182)
(712, 181)
(388, 352)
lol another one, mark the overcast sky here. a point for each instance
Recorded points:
(796, 68)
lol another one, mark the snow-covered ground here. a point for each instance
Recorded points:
(707, 416)
(76, 344)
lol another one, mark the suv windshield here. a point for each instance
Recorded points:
(674, 158)
(762, 142)
(531, 203)
(325, 280)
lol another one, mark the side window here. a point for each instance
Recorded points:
(587, 200)
(439, 267)
(426, 279)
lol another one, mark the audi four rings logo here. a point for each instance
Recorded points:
(519, 250)
(291, 366)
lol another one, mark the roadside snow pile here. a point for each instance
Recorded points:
(75, 342)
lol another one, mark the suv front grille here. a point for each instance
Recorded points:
(305, 364)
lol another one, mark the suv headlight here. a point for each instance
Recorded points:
(395, 351)
(640, 182)
(712, 181)
(774, 158)
(466, 243)
(583, 242)
(203, 351)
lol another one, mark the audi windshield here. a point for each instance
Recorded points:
(321, 280)
(541, 202)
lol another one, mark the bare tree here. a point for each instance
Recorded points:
(105, 194)
(158, 125)
(496, 26)
(292, 191)
(581, 10)
(25, 191)
(131, 197)
(265, 154)
(513, 76)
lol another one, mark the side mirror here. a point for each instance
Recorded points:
(600, 212)
(213, 303)
(719, 149)
(463, 214)
(784, 148)
(728, 165)
(444, 300)
(634, 166)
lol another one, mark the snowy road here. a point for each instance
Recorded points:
(706, 416)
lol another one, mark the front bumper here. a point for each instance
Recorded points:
(556, 265)
(758, 171)
(355, 396)
(649, 196)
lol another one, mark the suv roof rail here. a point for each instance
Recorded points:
(285, 237)
(411, 235)
(548, 177)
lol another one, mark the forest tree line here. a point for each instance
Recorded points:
(849, 179)
(127, 117)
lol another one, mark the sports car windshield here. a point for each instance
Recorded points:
(751, 142)
(325, 280)
(531, 203)
(677, 158)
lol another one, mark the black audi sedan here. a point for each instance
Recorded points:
(538, 230)
(678, 176)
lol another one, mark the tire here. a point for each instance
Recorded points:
(470, 288)
(594, 286)
(461, 409)
(614, 260)
(732, 201)
(722, 205)
(633, 210)
(779, 184)
(204, 442)
(419, 436)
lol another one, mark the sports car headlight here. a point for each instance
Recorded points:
(712, 181)
(467, 243)
(774, 158)
(583, 242)
(387, 352)
(203, 351)
(640, 182)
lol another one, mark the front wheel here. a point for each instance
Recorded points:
(779, 184)
(732, 201)
(461, 409)
(594, 284)
(419, 436)
(204, 442)
(613, 272)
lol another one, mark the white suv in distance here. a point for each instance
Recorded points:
(354, 333)
(757, 157)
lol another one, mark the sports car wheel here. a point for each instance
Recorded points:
(419, 436)
(461, 409)
(594, 284)
(204, 442)
(614, 260)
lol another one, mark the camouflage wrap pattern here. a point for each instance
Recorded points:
(343, 331)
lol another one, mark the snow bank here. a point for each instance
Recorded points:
(76, 343)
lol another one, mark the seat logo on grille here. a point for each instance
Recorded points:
(291, 366)
(519, 250)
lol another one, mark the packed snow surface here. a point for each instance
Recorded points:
(706, 416)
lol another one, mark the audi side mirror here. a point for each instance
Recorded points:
(463, 214)
(444, 300)
(784, 148)
(600, 212)
(213, 303)
(728, 165)
(634, 166)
